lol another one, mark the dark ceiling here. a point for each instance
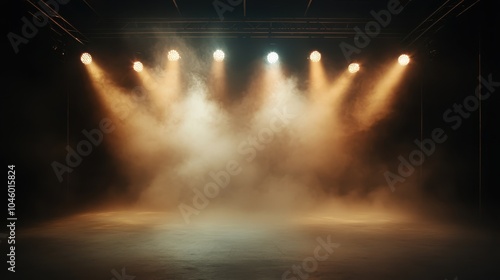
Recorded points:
(84, 22)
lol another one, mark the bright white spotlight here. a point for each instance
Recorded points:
(219, 55)
(138, 67)
(272, 57)
(173, 55)
(315, 56)
(86, 58)
(404, 59)
(353, 67)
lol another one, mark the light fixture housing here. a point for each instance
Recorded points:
(353, 68)
(404, 59)
(272, 57)
(315, 56)
(219, 55)
(138, 66)
(173, 55)
(86, 58)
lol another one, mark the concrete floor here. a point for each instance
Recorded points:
(153, 246)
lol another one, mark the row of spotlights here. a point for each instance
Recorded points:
(272, 58)
(353, 67)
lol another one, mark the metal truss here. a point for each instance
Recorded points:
(57, 22)
(247, 28)
(437, 19)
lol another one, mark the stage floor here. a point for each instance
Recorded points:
(153, 246)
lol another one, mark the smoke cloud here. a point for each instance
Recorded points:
(275, 149)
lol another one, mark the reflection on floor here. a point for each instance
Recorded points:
(153, 246)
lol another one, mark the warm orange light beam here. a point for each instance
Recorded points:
(218, 80)
(113, 98)
(121, 109)
(317, 79)
(168, 85)
(133, 121)
(377, 104)
(340, 86)
(162, 88)
(272, 83)
(264, 87)
(333, 93)
(172, 80)
(325, 126)
(328, 104)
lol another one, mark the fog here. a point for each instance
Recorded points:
(286, 145)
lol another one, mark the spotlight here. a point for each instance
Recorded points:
(138, 67)
(272, 57)
(404, 59)
(86, 58)
(219, 55)
(353, 67)
(173, 55)
(315, 56)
